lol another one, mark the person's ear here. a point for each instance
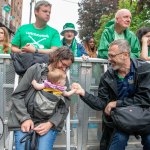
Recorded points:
(35, 12)
(126, 55)
(116, 19)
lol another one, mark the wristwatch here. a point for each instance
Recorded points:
(36, 50)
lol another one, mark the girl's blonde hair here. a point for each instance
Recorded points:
(55, 74)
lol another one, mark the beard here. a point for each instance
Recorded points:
(116, 67)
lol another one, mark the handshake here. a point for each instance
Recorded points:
(76, 87)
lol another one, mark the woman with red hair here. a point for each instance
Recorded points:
(4, 41)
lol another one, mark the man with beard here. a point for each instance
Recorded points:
(118, 28)
(121, 85)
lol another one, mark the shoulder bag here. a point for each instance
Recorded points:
(132, 119)
(44, 104)
(22, 61)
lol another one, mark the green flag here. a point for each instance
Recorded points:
(12, 17)
(6, 8)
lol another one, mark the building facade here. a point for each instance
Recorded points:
(11, 14)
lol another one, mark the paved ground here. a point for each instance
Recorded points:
(134, 147)
(134, 144)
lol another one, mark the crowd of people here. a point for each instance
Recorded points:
(121, 85)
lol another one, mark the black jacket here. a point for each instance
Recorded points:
(107, 92)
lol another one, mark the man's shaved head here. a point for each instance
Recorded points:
(121, 12)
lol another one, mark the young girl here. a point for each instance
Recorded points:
(55, 83)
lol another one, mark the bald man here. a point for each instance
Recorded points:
(118, 29)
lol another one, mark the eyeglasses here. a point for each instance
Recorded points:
(114, 55)
(65, 65)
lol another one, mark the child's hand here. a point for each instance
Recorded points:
(34, 82)
(74, 90)
(75, 86)
(79, 89)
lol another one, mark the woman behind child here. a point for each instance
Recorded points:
(4, 41)
(24, 117)
(143, 35)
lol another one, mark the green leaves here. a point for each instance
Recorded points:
(90, 12)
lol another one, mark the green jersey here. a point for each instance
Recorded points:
(148, 51)
(108, 36)
(44, 38)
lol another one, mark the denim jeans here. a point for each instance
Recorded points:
(120, 139)
(45, 142)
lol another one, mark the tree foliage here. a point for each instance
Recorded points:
(140, 15)
(90, 12)
(104, 19)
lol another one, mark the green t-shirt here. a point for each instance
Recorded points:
(2, 52)
(119, 36)
(41, 38)
(149, 51)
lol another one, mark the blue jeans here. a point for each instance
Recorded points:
(120, 139)
(45, 142)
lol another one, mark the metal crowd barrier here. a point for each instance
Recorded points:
(83, 125)
(7, 76)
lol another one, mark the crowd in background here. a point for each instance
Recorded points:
(117, 28)
(88, 45)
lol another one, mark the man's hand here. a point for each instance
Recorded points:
(28, 48)
(43, 128)
(109, 107)
(79, 89)
(27, 125)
